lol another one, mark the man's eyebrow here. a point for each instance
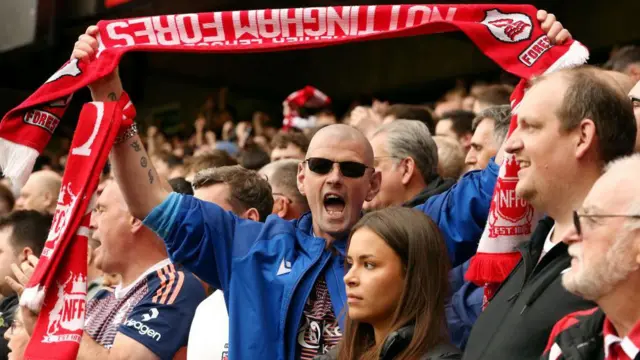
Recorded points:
(633, 98)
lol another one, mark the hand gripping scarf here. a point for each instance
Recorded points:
(508, 34)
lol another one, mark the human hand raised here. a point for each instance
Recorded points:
(85, 50)
(555, 31)
(22, 273)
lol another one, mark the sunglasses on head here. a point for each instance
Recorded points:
(323, 166)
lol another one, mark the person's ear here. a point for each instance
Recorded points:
(49, 200)
(374, 185)
(25, 253)
(284, 208)
(634, 72)
(136, 224)
(586, 137)
(251, 214)
(408, 168)
(300, 178)
(278, 204)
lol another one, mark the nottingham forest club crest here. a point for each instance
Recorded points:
(508, 27)
(509, 215)
(66, 318)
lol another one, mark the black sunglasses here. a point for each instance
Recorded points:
(576, 218)
(323, 166)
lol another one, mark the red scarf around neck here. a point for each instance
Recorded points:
(508, 34)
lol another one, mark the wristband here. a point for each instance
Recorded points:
(126, 134)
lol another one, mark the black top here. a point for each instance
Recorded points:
(437, 185)
(8, 308)
(518, 320)
(582, 340)
(398, 340)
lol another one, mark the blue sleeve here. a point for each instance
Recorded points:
(461, 212)
(462, 311)
(464, 307)
(162, 319)
(456, 276)
(202, 237)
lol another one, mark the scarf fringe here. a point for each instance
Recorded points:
(33, 298)
(491, 267)
(16, 162)
(577, 55)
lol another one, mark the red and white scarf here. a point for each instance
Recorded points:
(58, 287)
(508, 34)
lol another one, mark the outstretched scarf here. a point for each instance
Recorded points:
(508, 34)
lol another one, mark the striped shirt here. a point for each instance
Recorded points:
(156, 310)
(319, 331)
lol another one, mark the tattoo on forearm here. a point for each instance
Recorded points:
(112, 96)
(143, 162)
(136, 146)
(150, 173)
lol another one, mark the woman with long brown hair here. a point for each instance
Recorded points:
(397, 284)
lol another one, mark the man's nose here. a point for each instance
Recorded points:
(471, 158)
(571, 236)
(335, 175)
(514, 144)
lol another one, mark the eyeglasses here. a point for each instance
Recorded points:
(322, 166)
(576, 218)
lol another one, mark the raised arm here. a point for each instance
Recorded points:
(141, 186)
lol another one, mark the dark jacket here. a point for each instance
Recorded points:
(517, 322)
(398, 340)
(8, 308)
(578, 336)
(437, 185)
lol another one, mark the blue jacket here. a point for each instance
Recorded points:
(463, 307)
(267, 270)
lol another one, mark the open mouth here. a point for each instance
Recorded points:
(334, 204)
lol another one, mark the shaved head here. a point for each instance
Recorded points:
(49, 179)
(338, 133)
(40, 192)
(336, 199)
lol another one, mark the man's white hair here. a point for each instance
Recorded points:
(628, 165)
